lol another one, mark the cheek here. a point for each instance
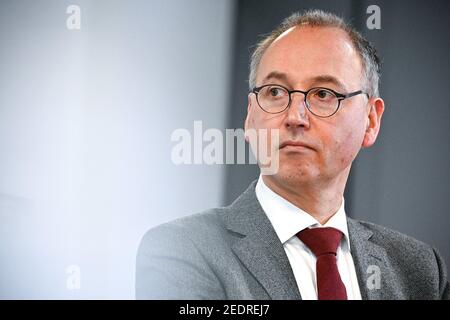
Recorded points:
(264, 133)
(262, 120)
(346, 147)
(349, 136)
(266, 123)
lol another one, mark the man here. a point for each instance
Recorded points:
(314, 80)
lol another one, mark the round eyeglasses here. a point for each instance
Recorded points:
(321, 102)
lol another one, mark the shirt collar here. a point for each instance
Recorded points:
(288, 219)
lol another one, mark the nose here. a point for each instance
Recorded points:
(297, 115)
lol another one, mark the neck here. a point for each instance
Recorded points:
(320, 200)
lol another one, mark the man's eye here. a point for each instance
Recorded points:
(323, 94)
(274, 92)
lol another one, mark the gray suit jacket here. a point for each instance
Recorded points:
(234, 253)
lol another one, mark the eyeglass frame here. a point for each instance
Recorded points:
(338, 95)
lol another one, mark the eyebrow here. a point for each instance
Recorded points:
(328, 79)
(316, 79)
(277, 75)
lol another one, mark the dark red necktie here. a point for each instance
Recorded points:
(323, 242)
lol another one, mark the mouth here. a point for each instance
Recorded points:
(295, 145)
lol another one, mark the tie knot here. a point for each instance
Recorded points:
(321, 240)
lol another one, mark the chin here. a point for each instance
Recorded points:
(295, 175)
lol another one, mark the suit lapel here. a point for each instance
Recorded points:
(259, 248)
(371, 261)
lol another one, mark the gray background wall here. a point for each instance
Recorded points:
(403, 181)
(86, 119)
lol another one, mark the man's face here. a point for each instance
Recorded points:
(302, 58)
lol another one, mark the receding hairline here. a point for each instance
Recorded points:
(312, 26)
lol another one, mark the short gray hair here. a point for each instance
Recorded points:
(318, 18)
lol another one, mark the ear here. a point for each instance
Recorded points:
(247, 119)
(373, 120)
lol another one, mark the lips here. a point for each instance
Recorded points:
(295, 144)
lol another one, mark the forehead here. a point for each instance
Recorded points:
(304, 53)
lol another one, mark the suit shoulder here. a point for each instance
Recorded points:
(384, 234)
(196, 228)
(202, 221)
(172, 261)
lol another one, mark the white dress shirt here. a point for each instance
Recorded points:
(288, 220)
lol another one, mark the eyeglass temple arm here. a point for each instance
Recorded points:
(345, 96)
